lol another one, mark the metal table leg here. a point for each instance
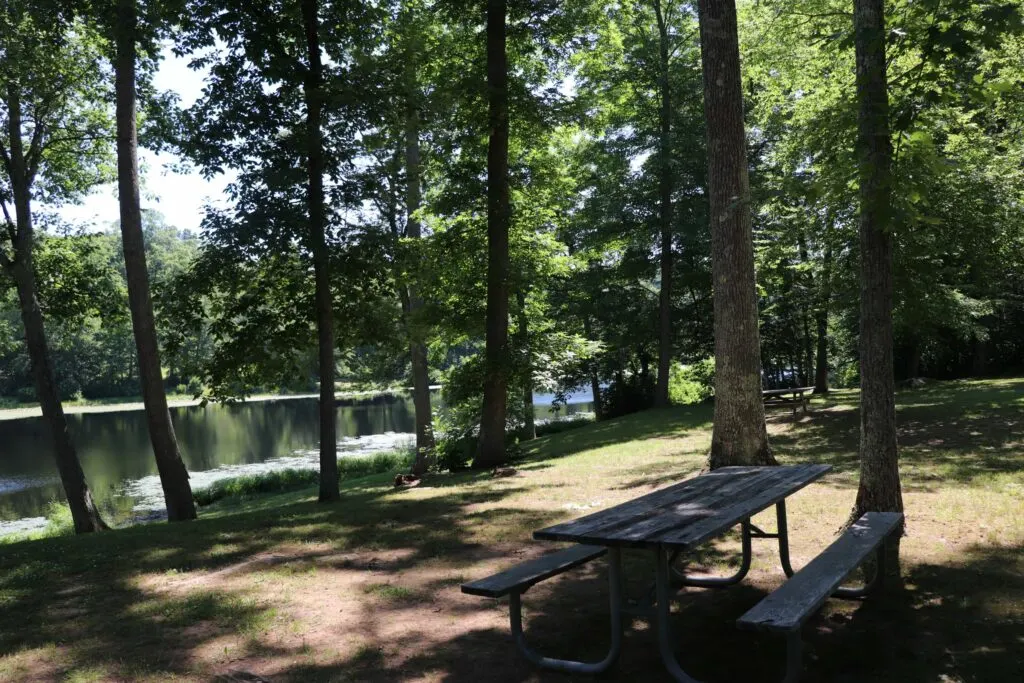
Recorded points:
(783, 535)
(718, 581)
(568, 665)
(663, 591)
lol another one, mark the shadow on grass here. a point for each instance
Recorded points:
(962, 432)
(81, 594)
(946, 625)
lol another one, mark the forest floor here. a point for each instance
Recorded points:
(281, 588)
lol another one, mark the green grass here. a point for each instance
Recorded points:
(367, 589)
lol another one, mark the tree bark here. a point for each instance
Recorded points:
(821, 322)
(739, 436)
(529, 419)
(417, 348)
(321, 259)
(595, 382)
(665, 184)
(879, 488)
(84, 515)
(491, 449)
(173, 476)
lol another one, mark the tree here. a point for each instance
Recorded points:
(879, 488)
(56, 129)
(173, 475)
(313, 94)
(739, 436)
(666, 183)
(492, 422)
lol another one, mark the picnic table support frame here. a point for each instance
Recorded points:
(869, 587)
(568, 665)
(748, 532)
(663, 594)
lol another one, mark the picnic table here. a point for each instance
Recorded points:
(677, 519)
(793, 395)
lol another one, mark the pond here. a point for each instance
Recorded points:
(217, 441)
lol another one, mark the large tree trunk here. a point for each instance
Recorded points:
(821, 321)
(739, 436)
(491, 450)
(665, 183)
(321, 259)
(173, 475)
(529, 419)
(417, 349)
(85, 516)
(879, 467)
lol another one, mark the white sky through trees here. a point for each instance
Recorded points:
(180, 197)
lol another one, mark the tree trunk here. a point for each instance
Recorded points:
(914, 360)
(491, 450)
(321, 259)
(595, 382)
(529, 419)
(879, 488)
(821, 366)
(417, 349)
(739, 435)
(665, 183)
(173, 475)
(979, 363)
(85, 516)
(83, 510)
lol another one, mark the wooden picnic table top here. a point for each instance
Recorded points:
(783, 392)
(687, 514)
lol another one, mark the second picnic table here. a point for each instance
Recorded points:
(793, 395)
(680, 518)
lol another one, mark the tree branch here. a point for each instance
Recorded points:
(12, 228)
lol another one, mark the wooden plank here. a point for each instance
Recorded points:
(524, 575)
(791, 604)
(706, 529)
(640, 508)
(687, 514)
(710, 503)
(608, 522)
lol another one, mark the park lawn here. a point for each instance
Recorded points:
(280, 588)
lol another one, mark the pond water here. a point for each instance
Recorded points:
(217, 441)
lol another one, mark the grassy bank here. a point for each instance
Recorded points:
(282, 588)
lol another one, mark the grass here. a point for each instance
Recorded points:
(281, 481)
(282, 588)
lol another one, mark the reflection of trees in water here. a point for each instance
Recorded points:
(115, 447)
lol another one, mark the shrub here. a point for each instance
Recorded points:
(626, 395)
(454, 454)
(693, 383)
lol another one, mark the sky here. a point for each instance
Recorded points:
(180, 197)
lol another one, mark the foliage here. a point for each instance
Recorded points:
(83, 295)
(694, 383)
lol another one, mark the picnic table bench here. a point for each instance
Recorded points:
(677, 519)
(792, 395)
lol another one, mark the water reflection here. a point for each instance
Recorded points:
(115, 451)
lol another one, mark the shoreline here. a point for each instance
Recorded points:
(129, 406)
